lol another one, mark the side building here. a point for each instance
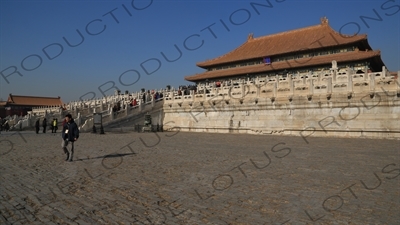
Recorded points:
(20, 105)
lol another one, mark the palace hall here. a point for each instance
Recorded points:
(305, 51)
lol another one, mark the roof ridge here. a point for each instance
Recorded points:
(26, 96)
(307, 28)
(345, 35)
(289, 31)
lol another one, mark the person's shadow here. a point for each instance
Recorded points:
(107, 156)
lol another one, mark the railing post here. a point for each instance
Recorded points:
(372, 83)
(329, 86)
(350, 83)
(383, 71)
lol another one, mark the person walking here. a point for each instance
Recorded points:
(44, 124)
(70, 134)
(37, 125)
(51, 126)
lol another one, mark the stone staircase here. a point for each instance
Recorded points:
(126, 119)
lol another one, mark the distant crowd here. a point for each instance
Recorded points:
(185, 89)
(145, 97)
(149, 95)
(5, 126)
(53, 125)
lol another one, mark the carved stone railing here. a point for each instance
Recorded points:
(287, 87)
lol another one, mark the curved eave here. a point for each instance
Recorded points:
(290, 64)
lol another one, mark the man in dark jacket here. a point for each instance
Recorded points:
(44, 125)
(70, 134)
(37, 125)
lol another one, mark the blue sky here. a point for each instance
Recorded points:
(124, 39)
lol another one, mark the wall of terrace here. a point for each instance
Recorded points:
(326, 105)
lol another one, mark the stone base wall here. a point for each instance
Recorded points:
(365, 114)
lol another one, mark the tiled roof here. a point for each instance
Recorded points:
(312, 37)
(289, 64)
(33, 100)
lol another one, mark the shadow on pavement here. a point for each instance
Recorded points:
(108, 156)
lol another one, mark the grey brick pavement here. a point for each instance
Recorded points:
(199, 178)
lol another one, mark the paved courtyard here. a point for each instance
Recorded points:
(198, 178)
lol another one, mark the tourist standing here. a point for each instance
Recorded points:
(144, 97)
(70, 134)
(6, 126)
(51, 126)
(54, 126)
(37, 125)
(44, 124)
